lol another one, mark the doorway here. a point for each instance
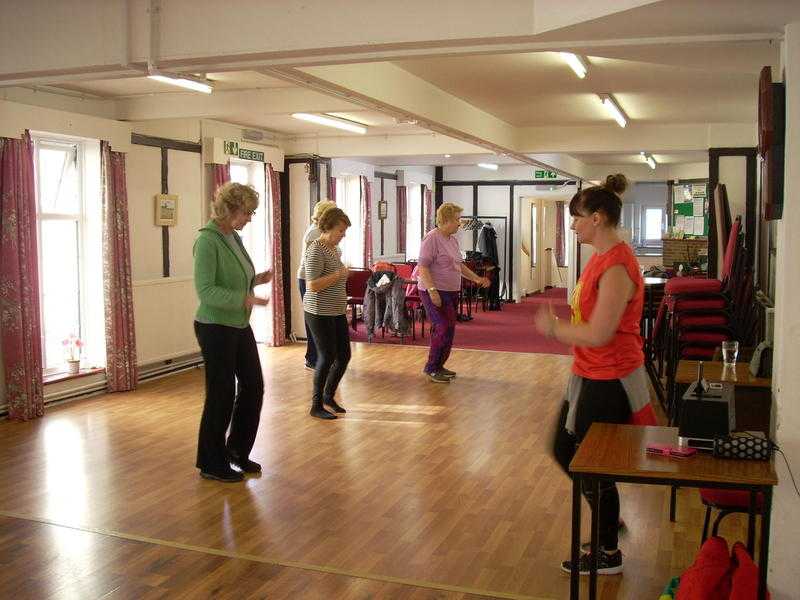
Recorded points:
(543, 265)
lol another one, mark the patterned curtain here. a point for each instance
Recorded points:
(366, 214)
(561, 234)
(430, 214)
(276, 327)
(332, 189)
(402, 205)
(122, 372)
(21, 339)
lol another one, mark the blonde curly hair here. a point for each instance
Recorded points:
(320, 208)
(232, 197)
(448, 212)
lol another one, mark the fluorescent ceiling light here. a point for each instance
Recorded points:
(613, 109)
(490, 166)
(448, 155)
(648, 158)
(331, 122)
(181, 81)
(576, 62)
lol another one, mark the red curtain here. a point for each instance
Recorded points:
(430, 215)
(21, 339)
(222, 174)
(332, 189)
(122, 372)
(561, 234)
(275, 309)
(366, 213)
(401, 218)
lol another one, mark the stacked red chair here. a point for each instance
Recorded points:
(697, 314)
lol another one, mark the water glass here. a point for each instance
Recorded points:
(730, 350)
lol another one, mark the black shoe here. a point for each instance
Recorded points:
(438, 377)
(245, 464)
(321, 413)
(607, 564)
(310, 367)
(447, 373)
(333, 405)
(229, 476)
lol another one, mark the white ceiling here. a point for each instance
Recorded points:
(658, 77)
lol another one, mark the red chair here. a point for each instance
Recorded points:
(356, 289)
(728, 502)
(413, 301)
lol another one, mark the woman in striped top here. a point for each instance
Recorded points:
(325, 305)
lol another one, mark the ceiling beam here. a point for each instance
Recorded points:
(42, 42)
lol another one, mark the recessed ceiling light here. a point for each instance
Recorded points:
(614, 109)
(576, 63)
(448, 155)
(331, 122)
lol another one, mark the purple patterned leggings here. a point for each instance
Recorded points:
(444, 320)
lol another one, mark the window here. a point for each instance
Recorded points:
(567, 223)
(348, 198)
(413, 221)
(653, 224)
(69, 219)
(256, 235)
(534, 237)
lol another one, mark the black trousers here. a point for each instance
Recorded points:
(332, 340)
(230, 357)
(598, 402)
(311, 348)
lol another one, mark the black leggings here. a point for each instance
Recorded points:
(231, 357)
(598, 402)
(332, 340)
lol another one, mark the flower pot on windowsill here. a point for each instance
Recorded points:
(73, 367)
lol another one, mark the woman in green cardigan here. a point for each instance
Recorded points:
(224, 278)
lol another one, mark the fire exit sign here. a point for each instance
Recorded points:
(541, 174)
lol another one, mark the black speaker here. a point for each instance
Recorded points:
(707, 416)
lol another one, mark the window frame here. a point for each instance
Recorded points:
(78, 148)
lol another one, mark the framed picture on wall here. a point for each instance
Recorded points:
(166, 210)
(383, 209)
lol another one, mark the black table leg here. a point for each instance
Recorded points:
(751, 525)
(763, 552)
(595, 487)
(574, 576)
(673, 498)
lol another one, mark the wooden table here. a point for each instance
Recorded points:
(617, 453)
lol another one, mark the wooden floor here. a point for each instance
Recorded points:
(420, 491)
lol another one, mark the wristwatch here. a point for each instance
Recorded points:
(432, 289)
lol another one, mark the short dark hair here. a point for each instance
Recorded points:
(331, 218)
(597, 198)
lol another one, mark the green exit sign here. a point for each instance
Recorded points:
(541, 174)
(231, 148)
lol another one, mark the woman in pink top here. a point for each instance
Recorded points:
(440, 270)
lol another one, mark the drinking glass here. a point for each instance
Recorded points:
(730, 350)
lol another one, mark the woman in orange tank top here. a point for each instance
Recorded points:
(608, 382)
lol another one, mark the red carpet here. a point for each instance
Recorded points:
(508, 330)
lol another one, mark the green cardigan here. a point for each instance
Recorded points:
(220, 280)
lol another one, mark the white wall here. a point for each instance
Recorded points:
(299, 218)
(785, 531)
(733, 173)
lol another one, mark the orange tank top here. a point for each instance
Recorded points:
(623, 354)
